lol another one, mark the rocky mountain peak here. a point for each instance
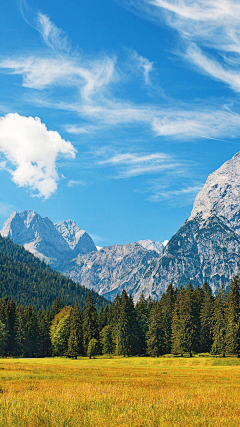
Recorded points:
(76, 238)
(220, 195)
(46, 240)
(151, 246)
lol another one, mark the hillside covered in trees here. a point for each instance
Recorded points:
(27, 280)
(183, 321)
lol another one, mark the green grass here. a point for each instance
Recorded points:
(167, 391)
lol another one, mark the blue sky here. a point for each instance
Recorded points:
(113, 113)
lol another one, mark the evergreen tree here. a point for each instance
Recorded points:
(75, 341)
(185, 322)
(233, 318)
(167, 303)
(142, 315)
(44, 341)
(20, 331)
(3, 338)
(127, 326)
(219, 324)
(115, 316)
(31, 332)
(9, 320)
(107, 340)
(155, 335)
(90, 327)
(206, 314)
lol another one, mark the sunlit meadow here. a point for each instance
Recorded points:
(167, 391)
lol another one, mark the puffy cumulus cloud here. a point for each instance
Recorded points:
(31, 151)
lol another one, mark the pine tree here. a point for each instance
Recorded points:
(185, 322)
(20, 331)
(142, 315)
(206, 314)
(219, 324)
(155, 335)
(75, 341)
(9, 320)
(107, 340)
(44, 341)
(90, 327)
(31, 330)
(233, 318)
(167, 303)
(127, 326)
(3, 338)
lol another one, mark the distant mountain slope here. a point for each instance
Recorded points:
(109, 270)
(44, 239)
(28, 280)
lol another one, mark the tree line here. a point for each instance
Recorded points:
(183, 321)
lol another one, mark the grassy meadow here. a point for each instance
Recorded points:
(166, 391)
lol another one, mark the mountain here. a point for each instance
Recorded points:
(77, 239)
(109, 270)
(151, 246)
(64, 240)
(27, 280)
(207, 246)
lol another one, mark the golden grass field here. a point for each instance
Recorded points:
(167, 391)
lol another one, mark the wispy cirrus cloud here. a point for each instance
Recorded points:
(209, 29)
(143, 65)
(75, 183)
(93, 81)
(129, 165)
(185, 195)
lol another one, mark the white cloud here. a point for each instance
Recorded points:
(52, 35)
(131, 164)
(92, 79)
(32, 151)
(144, 65)
(180, 197)
(75, 183)
(213, 24)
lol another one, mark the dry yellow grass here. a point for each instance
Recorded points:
(120, 392)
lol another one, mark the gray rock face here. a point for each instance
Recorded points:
(207, 246)
(151, 246)
(39, 236)
(111, 269)
(78, 240)
(220, 195)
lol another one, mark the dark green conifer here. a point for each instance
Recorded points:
(142, 315)
(206, 314)
(155, 335)
(75, 341)
(219, 324)
(233, 318)
(90, 327)
(167, 303)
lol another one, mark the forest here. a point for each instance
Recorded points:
(27, 280)
(183, 322)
